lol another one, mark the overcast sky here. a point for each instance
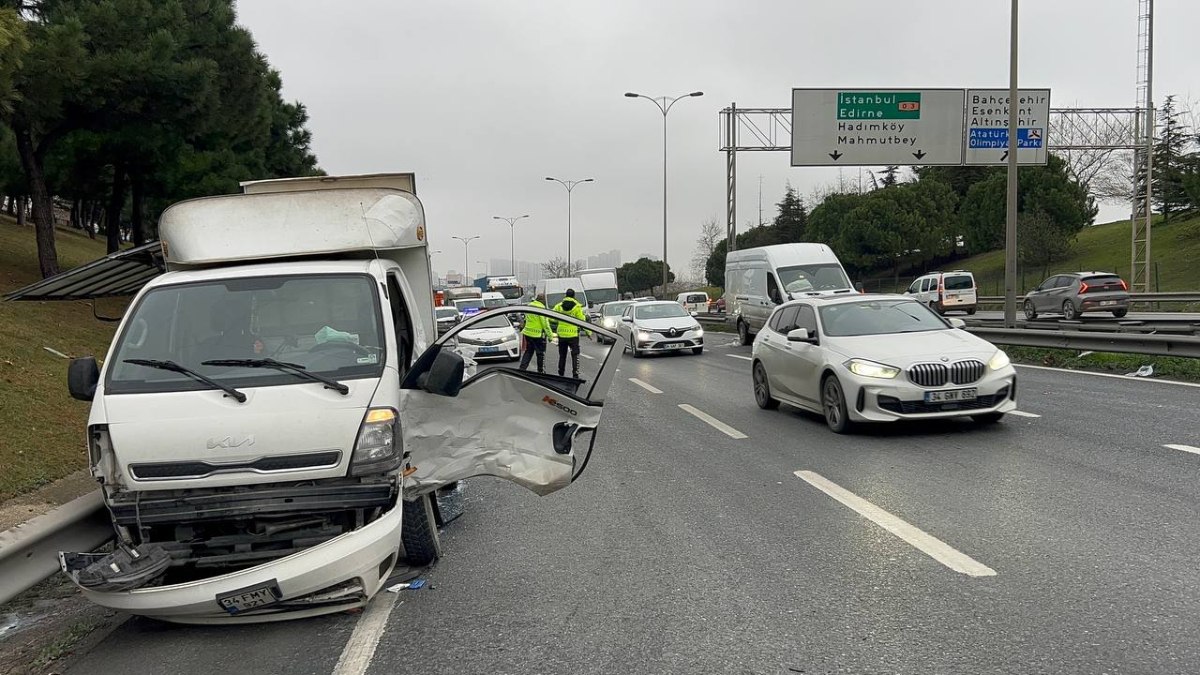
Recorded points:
(484, 98)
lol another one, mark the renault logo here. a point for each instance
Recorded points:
(673, 332)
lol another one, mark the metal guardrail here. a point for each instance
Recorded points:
(1184, 296)
(1126, 343)
(29, 551)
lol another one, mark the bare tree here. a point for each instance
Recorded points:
(556, 268)
(711, 233)
(1107, 174)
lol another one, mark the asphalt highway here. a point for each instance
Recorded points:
(708, 536)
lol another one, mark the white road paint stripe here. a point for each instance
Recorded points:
(739, 356)
(643, 385)
(1022, 413)
(592, 358)
(713, 422)
(1119, 377)
(929, 545)
(1185, 448)
(360, 649)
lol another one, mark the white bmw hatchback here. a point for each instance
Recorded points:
(878, 359)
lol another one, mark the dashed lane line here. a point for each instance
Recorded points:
(590, 358)
(1184, 448)
(1022, 413)
(926, 543)
(739, 356)
(713, 422)
(650, 388)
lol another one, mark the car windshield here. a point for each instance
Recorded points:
(598, 295)
(958, 282)
(815, 277)
(492, 303)
(446, 312)
(614, 308)
(878, 317)
(329, 324)
(666, 310)
(468, 304)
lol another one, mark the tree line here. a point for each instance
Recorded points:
(114, 109)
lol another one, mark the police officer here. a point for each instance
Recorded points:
(568, 333)
(535, 331)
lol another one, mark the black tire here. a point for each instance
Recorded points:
(419, 541)
(1030, 311)
(971, 312)
(697, 350)
(1068, 310)
(833, 404)
(634, 350)
(1120, 313)
(762, 389)
(744, 333)
(988, 418)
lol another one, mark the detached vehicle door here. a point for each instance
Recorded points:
(536, 430)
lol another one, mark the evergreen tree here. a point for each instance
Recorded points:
(1170, 165)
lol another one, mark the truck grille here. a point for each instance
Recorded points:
(941, 374)
(200, 469)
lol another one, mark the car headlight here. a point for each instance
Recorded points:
(866, 368)
(643, 336)
(608, 322)
(699, 331)
(377, 449)
(999, 360)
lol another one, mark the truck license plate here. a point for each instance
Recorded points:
(952, 396)
(251, 597)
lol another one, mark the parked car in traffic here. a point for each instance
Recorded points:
(716, 306)
(1076, 293)
(693, 301)
(492, 338)
(610, 314)
(878, 358)
(946, 291)
(660, 326)
(446, 317)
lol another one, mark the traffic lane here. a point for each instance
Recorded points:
(676, 554)
(299, 647)
(1067, 534)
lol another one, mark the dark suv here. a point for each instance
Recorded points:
(1079, 292)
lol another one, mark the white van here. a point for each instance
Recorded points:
(695, 302)
(556, 289)
(600, 286)
(274, 418)
(757, 279)
(946, 291)
(494, 299)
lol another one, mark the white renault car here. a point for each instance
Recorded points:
(878, 359)
(493, 338)
(660, 326)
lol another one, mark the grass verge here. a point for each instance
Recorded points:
(1165, 367)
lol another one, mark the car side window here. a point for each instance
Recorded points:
(807, 319)
(786, 319)
(925, 284)
(915, 287)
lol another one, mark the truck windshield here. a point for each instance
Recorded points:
(599, 295)
(329, 324)
(510, 292)
(815, 277)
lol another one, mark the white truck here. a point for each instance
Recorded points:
(274, 418)
(600, 285)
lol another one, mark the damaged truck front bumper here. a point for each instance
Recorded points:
(339, 574)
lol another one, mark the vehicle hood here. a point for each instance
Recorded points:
(904, 349)
(207, 427)
(680, 322)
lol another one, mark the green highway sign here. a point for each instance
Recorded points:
(879, 105)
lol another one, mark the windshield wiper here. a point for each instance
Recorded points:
(293, 368)
(184, 370)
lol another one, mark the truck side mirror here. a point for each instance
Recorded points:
(82, 377)
(445, 374)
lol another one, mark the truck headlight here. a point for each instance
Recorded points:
(865, 368)
(377, 449)
(999, 360)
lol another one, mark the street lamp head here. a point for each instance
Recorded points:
(549, 178)
(588, 180)
(696, 93)
(525, 216)
(630, 94)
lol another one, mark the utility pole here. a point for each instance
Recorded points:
(512, 238)
(569, 185)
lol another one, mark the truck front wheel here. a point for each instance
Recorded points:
(419, 543)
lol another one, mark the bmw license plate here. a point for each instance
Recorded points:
(488, 350)
(951, 396)
(251, 597)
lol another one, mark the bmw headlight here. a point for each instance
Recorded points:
(865, 368)
(643, 336)
(999, 360)
(377, 449)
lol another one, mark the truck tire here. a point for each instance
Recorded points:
(419, 542)
(744, 333)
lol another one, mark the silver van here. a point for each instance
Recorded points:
(757, 279)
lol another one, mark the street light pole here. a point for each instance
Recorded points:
(1010, 229)
(466, 249)
(664, 103)
(570, 186)
(512, 239)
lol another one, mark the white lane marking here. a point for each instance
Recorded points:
(929, 545)
(739, 356)
(592, 358)
(643, 385)
(360, 649)
(1184, 448)
(1022, 413)
(1118, 377)
(713, 422)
